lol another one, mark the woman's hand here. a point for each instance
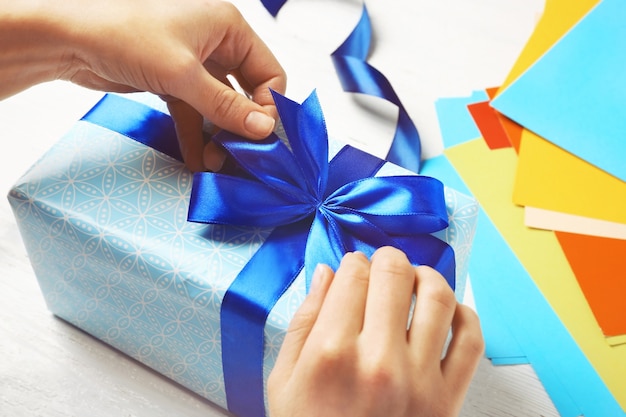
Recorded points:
(348, 351)
(181, 50)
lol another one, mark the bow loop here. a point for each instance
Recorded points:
(306, 130)
(269, 161)
(402, 205)
(223, 199)
(291, 184)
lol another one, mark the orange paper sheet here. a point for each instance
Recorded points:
(600, 268)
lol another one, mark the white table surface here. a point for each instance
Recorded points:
(427, 49)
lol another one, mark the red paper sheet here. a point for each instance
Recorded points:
(489, 125)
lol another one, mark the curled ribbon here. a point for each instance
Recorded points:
(357, 76)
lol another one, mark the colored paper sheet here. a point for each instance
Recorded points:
(501, 283)
(501, 346)
(558, 17)
(506, 319)
(600, 268)
(540, 253)
(512, 129)
(503, 318)
(489, 125)
(549, 178)
(575, 95)
(492, 92)
(455, 122)
(563, 222)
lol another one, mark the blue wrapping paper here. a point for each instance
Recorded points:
(104, 219)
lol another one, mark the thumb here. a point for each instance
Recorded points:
(226, 108)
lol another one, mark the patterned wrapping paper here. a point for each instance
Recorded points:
(104, 221)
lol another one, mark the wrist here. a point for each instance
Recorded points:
(32, 44)
(41, 40)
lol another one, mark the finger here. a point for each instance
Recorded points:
(188, 123)
(213, 157)
(262, 94)
(435, 304)
(244, 55)
(227, 108)
(465, 350)
(304, 319)
(341, 317)
(257, 71)
(392, 280)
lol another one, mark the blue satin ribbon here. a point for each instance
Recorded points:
(319, 211)
(357, 76)
(136, 121)
(273, 6)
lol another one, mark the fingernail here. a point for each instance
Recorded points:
(316, 279)
(213, 157)
(213, 161)
(259, 123)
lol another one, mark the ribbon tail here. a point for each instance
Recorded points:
(357, 44)
(406, 147)
(273, 6)
(357, 76)
(245, 308)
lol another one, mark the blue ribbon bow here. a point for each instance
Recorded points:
(319, 211)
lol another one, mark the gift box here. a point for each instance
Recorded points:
(131, 247)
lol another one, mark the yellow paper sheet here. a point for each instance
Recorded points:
(557, 18)
(549, 178)
(491, 181)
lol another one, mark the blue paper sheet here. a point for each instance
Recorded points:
(501, 346)
(575, 95)
(455, 121)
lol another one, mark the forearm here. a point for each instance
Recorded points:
(33, 44)
(178, 50)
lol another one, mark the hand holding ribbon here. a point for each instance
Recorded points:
(346, 212)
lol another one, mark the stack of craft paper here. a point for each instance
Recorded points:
(571, 173)
(545, 156)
